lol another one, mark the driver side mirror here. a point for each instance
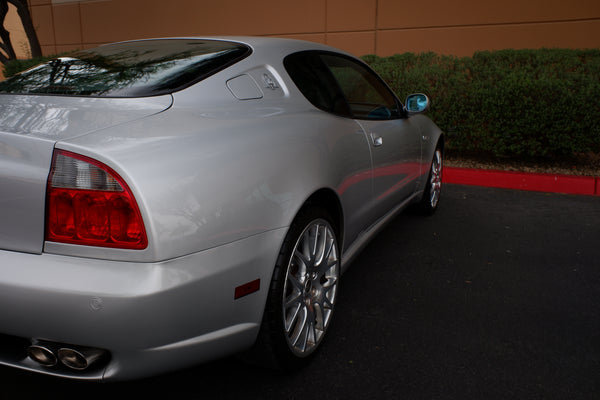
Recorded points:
(417, 103)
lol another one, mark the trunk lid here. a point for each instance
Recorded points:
(29, 128)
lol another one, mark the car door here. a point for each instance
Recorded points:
(349, 146)
(395, 141)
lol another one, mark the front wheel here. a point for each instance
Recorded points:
(302, 293)
(433, 188)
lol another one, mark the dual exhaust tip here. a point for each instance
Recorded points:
(78, 359)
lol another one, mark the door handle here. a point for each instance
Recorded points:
(377, 140)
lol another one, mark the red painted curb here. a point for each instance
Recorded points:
(553, 183)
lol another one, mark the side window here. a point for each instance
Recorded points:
(317, 84)
(366, 94)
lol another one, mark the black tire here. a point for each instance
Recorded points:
(433, 188)
(302, 293)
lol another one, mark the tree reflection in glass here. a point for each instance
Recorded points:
(130, 69)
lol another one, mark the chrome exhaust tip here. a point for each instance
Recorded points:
(42, 354)
(79, 359)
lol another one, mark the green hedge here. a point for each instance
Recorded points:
(13, 67)
(528, 104)
(518, 103)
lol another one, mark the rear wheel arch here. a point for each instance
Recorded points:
(302, 292)
(270, 349)
(330, 202)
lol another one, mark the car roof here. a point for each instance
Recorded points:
(260, 44)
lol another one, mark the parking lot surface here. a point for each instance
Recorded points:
(495, 296)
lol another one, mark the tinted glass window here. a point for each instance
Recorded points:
(341, 85)
(367, 96)
(132, 69)
(316, 82)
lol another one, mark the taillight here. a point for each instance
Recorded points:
(89, 204)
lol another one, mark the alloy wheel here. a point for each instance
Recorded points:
(435, 179)
(311, 286)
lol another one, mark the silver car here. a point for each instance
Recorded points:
(171, 201)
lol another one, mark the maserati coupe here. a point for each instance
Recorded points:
(167, 202)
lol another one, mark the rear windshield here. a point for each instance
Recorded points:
(131, 69)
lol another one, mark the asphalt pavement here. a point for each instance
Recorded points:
(496, 296)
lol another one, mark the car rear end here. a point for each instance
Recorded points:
(82, 294)
(94, 280)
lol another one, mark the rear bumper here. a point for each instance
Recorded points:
(150, 317)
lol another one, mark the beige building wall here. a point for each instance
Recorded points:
(12, 24)
(18, 38)
(383, 27)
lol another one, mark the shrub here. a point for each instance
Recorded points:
(510, 103)
(13, 67)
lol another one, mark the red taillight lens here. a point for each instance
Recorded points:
(89, 204)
